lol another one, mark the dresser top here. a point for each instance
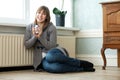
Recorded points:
(110, 2)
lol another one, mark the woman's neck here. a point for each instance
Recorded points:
(41, 24)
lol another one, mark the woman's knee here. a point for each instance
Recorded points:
(52, 55)
(52, 67)
(49, 57)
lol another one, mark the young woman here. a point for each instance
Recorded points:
(43, 39)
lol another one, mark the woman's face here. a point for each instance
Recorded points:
(40, 16)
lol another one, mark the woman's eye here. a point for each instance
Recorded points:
(39, 12)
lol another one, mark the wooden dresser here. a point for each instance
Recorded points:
(111, 28)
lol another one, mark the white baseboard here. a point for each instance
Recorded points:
(97, 59)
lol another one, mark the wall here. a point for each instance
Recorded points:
(88, 17)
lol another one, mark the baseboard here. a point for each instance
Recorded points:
(2, 69)
(97, 59)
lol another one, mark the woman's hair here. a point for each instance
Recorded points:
(47, 13)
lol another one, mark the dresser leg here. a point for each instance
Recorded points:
(104, 58)
(118, 57)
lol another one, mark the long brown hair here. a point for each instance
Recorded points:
(46, 11)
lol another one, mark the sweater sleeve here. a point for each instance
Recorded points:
(52, 38)
(29, 39)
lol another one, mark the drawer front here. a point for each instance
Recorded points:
(112, 38)
(112, 16)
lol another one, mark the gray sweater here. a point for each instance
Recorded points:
(45, 42)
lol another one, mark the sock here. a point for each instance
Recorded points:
(89, 69)
(85, 64)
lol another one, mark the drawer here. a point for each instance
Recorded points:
(112, 38)
(112, 34)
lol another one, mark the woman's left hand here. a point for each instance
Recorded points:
(39, 30)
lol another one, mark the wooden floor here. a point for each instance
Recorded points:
(111, 73)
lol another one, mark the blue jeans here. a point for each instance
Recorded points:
(56, 62)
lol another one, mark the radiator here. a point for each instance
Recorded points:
(14, 53)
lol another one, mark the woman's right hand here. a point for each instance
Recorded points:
(33, 30)
(37, 31)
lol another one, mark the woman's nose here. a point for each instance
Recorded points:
(40, 15)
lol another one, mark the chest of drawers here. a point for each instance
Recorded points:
(111, 28)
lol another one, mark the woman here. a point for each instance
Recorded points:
(41, 38)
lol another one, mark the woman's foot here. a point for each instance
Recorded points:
(85, 64)
(38, 70)
(89, 69)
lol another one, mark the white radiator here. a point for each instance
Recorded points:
(14, 53)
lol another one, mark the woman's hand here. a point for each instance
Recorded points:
(37, 31)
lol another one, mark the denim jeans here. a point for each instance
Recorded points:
(56, 62)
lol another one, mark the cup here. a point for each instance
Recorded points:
(36, 29)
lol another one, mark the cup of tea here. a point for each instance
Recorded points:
(36, 29)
